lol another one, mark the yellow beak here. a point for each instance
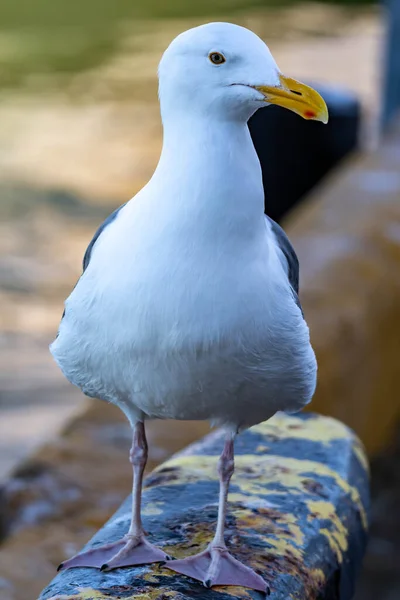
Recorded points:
(296, 96)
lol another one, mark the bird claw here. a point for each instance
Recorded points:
(215, 566)
(126, 552)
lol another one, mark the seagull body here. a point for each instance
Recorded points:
(185, 310)
(187, 307)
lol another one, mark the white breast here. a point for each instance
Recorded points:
(179, 331)
(185, 310)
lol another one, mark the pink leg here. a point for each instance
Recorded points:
(133, 548)
(215, 565)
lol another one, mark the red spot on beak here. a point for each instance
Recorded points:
(309, 114)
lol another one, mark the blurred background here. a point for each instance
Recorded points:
(80, 134)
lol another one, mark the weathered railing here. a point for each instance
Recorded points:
(297, 514)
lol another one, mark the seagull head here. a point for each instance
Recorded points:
(227, 71)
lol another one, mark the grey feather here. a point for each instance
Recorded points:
(88, 253)
(289, 258)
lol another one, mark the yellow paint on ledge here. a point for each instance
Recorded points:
(92, 594)
(289, 472)
(151, 509)
(338, 535)
(318, 429)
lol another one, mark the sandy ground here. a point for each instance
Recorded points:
(77, 151)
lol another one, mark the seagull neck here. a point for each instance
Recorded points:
(216, 154)
(212, 169)
(212, 136)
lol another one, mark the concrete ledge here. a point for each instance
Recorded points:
(298, 514)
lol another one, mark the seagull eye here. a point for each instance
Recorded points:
(217, 58)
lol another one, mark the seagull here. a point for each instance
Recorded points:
(188, 307)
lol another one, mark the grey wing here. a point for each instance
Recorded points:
(88, 252)
(291, 262)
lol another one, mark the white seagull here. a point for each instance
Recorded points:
(188, 305)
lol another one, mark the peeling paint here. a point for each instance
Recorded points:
(360, 453)
(338, 535)
(319, 429)
(294, 504)
(152, 508)
(234, 591)
(92, 594)
(289, 472)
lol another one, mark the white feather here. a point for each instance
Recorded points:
(185, 310)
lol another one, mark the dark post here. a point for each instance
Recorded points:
(296, 154)
(391, 99)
